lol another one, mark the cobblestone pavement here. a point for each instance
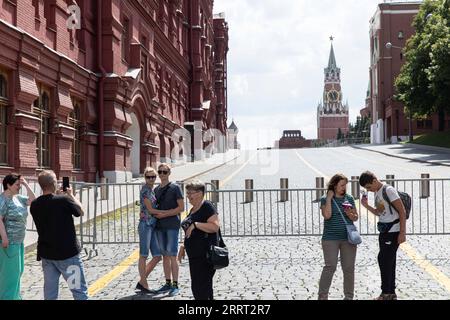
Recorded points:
(288, 267)
(284, 268)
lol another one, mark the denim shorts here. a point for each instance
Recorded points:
(168, 241)
(147, 240)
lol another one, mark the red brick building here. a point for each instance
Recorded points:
(332, 114)
(392, 23)
(293, 139)
(103, 100)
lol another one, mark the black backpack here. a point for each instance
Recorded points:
(404, 197)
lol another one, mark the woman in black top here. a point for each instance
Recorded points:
(200, 227)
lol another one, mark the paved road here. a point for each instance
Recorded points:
(286, 267)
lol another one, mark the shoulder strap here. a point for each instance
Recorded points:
(386, 197)
(220, 242)
(335, 203)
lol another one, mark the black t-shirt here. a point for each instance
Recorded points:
(52, 215)
(167, 198)
(197, 244)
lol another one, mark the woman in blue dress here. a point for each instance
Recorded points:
(13, 221)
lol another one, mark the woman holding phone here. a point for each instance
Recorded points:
(334, 239)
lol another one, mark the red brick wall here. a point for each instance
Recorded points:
(166, 94)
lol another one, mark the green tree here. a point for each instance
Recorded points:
(423, 84)
(340, 135)
(439, 70)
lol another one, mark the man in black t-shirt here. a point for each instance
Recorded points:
(58, 247)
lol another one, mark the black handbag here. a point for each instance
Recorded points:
(217, 254)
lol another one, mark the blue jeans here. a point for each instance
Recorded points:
(168, 241)
(148, 240)
(72, 271)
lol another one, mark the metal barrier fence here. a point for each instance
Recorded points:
(296, 212)
(112, 211)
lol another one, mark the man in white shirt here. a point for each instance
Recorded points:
(392, 227)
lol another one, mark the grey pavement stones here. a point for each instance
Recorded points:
(281, 267)
(264, 268)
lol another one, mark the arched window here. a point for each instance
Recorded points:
(42, 110)
(3, 123)
(75, 122)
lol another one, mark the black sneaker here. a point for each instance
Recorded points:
(141, 288)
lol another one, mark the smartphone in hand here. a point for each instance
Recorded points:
(65, 183)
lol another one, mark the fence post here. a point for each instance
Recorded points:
(320, 184)
(104, 189)
(355, 187)
(74, 186)
(94, 234)
(214, 194)
(390, 179)
(284, 195)
(81, 219)
(425, 185)
(248, 194)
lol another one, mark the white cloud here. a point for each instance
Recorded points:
(278, 50)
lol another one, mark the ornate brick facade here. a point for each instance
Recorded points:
(392, 23)
(104, 100)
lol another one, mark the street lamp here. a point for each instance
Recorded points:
(389, 46)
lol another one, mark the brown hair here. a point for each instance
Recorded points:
(332, 184)
(10, 179)
(196, 185)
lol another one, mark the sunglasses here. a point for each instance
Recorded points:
(150, 177)
(163, 172)
(192, 192)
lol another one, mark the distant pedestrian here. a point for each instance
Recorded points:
(13, 221)
(170, 204)
(392, 228)
(335, 208)
(58, 247)
(147, 235)
(200, 227)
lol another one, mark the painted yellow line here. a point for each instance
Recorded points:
(425, 265)
(123, 266)
(101, 283)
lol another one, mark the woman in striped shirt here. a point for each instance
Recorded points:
(334, 239)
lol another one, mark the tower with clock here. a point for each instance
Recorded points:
(332, 114)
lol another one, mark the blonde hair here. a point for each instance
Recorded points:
(149, 169)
